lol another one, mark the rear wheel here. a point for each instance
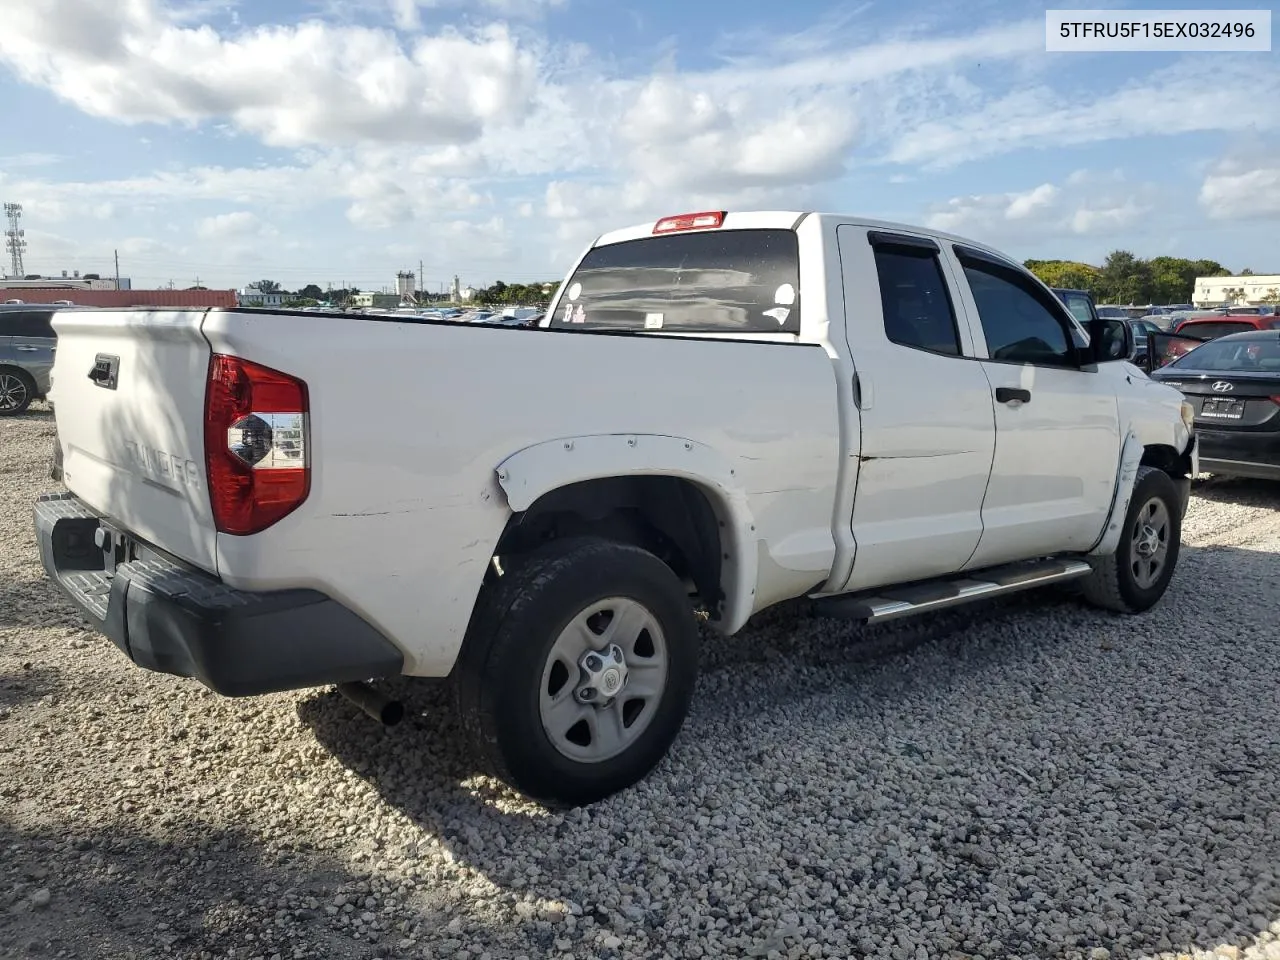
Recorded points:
(578, 670)
(1136, 575)
(16, 392)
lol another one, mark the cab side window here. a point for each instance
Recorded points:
(1019, 324)
(913, 295)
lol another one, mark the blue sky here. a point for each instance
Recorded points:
(338, 141)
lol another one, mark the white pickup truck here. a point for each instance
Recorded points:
(719, 412)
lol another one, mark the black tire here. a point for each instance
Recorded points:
(1114, 583)
(518, 619)
(17, 390)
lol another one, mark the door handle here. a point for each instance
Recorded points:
(1010, 394)
(26, 349)
(863, 396)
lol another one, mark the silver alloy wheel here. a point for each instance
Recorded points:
(1150, 543)
(13, 391)
(603, 680)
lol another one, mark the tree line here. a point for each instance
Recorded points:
(1124, 278)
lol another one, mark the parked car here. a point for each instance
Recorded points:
(27, 347)
(1233, 383)
(1141, 329)
(1111, 312)
(710, 416)
(1080, 303)
(1211, 327)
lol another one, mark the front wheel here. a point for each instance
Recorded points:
(1136, 575)
(578, 670)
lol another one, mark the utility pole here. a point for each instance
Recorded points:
(421, 288)
(14, 239)
(117, 254)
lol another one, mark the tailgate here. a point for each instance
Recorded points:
(128, 397)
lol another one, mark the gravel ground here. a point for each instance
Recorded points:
(1024, 779)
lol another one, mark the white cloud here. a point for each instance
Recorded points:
(1238, 190)
(1192, 96)
(406, 13)
(238, 225)
(289, 85)
(1085, 204)
(1028, 204)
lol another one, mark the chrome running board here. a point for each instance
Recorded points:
(895, 602)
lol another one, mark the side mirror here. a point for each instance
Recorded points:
(1109, 340)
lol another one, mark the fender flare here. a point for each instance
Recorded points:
(539, 469)
(1126, 476)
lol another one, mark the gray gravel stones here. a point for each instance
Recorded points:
(1025, 779)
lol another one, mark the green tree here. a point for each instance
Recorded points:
(1065, 273)
(1125, 279)
(268, 286)
(1272, 296)
(311, 292)
(1174, 278)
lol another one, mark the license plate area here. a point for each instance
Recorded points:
(1218, 408)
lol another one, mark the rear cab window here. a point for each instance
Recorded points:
(713, 281)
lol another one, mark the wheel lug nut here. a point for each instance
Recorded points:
(593, 663)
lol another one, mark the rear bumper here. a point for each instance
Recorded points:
(1240, 468)
(173, 620)
(1242, 453)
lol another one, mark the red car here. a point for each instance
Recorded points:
(1193, 331)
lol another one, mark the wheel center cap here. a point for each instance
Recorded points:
(604, 674)
(1148, 542)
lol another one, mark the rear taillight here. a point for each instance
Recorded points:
(255, 444)
(1275, 400)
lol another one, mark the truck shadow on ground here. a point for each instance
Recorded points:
(1196, 804)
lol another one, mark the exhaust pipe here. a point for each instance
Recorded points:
(386, 711)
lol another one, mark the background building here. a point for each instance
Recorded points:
(407, 285)
(1251, 290)
(90, 281)
(253, 296)
(380, 301)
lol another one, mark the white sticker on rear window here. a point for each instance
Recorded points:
(575, 291)
(785, 295)
(653, 321)
(778, 313)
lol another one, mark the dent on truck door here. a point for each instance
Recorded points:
(1057, 426)
(926, 413)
